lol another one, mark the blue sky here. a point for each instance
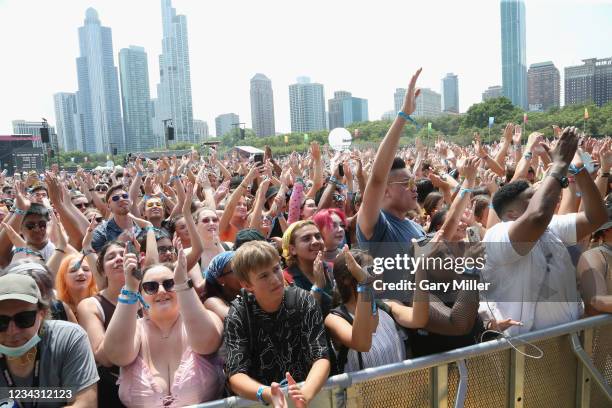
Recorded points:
(366, 47)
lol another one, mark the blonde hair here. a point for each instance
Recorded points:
(289, 239)
(253, 255)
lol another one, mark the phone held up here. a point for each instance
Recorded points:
(137, 273)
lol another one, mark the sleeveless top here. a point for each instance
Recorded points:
(107, 386)
(197, 379)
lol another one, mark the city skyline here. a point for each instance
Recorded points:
(221, 84)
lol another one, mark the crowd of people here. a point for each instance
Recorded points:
(183, 280)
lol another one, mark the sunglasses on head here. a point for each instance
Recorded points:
(154, 204)
(118, 197)
(32, 225)
(152, 287)
(23, 320)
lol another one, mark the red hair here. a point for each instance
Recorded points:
(323, 218)
(63, 293)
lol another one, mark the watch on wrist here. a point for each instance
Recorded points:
(563, 181)
(180, 287)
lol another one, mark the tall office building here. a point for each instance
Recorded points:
(200, 128)
(398, 98)
(157, 126)
(307, 106)
(262, 106)
(492, 92)
(589, 82)
(67, 122)
(389, 115)
(26, 127)
(98, 95)
(345, 109)
(428, 103)
(136, 99)
(544, 86)
(225, 123)
(450, 93)
(513, 44)
(174, 91)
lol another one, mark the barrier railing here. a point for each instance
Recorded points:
(575, 369)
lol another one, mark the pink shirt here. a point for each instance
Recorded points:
(197, 379)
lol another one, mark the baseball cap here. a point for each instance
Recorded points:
(19, 287)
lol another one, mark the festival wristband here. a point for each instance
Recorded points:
(259, 395)
(407, 117)
(19, 211)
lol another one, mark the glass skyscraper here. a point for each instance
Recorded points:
(262, 106)
(345, 109)
(513, 44)
(307, 106)
(98, 95)
(136, 99)
(66, 121)
(450, 93)
(174, 91)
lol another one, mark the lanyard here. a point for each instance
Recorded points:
(9, 378)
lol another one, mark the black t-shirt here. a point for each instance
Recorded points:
(267, 345)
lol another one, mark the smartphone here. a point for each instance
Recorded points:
(341, 170)
(258, 159)
(131, 249)
(473, 234)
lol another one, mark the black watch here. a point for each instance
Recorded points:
(563, 181)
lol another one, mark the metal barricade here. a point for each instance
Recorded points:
(574, 370)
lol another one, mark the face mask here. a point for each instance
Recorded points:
(20, 350)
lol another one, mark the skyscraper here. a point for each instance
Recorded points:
(428, 103)
(494, 91)
(262, 106)
(398, 98)
(307, 106)
(98, 95)
(544, 86)
(345, 109)
(200, 128)
(136, 99)
(174, 92)
(67, 122)
(513, 44)
(450, 93)
(590, 82)
(156, 123)
(225, 123)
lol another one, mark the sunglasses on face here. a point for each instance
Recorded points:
(32, 225)
(409, 184)
(118, 197)
(23, 320)
(154, 204)
(165, 249)
(99, 219)
(151, 288)
(80, 205)
(209, 219)
(101, 188)
(338, 197)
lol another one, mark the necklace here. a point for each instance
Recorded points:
(29, 357)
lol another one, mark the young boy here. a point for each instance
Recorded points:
(273, 332)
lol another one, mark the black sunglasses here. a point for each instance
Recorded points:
(101, 188)
(80, 205)
(151, 288)
(164, 249)
(99, 219)
(23, 320)
(31, 225)
(118, 197)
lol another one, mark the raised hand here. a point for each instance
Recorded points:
(565, 150)
(89, 234)
(518, 132)
(15, 238)
(315, 151)
(318, 271)
(354, 268)
(180, 270)
(411, 94)
(509, 129)
(21, 201)
(130, 264)
(469, 168)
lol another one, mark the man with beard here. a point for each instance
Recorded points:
(118, 202)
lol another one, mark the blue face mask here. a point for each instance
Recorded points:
(20, 350)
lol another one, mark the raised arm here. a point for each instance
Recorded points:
(528, 228)
(92, 257)
(197, 247)
(317, 178)
(375, 188)
(594, 214)
(228, 211)
(121, 343)
(453, 217)
(204, 327)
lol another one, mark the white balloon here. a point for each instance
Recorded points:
(340, 139)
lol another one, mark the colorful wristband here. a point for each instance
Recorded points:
(259, 395)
